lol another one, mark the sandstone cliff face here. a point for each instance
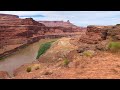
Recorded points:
(94, 33)
(16, 31)
(61, 26)
(97, 37)
(98, 30)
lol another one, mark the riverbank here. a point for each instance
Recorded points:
(24, 55)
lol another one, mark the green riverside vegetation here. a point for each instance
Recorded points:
(43, 48)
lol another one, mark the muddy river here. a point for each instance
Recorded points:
(26, 55)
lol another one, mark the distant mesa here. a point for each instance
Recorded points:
(57, 23)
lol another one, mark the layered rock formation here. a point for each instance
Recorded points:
(57, 23)
(16, 32)
(97, 37)
(61, 26)
(114, 32)
(94, 34)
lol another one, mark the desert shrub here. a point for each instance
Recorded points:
(114, 46)
(43, 48)
(29, 69)
(88, 53)
(65, 62)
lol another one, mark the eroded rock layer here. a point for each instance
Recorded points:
(16, 32)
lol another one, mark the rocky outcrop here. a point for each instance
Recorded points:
(96, 34)
(95, 38)
(98, 30)
(114, 32)
(4, 75)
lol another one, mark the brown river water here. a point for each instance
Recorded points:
(26, 55)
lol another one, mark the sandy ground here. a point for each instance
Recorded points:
(103, 66)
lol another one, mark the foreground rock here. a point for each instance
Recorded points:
(4, 75)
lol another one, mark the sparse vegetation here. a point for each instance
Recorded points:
(43, 48)
(114, 46)
(29, 69)
(88, 53)
(65, 62)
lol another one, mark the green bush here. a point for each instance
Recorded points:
(43, 48)
(114, 46)
(29, 69)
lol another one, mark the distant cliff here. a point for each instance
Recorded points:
(63, 26)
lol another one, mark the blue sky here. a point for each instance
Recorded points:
(80, 18)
